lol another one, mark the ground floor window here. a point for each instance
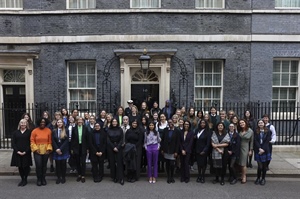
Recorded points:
(210, 4)
(145, 3)
(82, 84)
(287, 3)
(81, 4)
(208, 82)
(11, 4)
(285, 85)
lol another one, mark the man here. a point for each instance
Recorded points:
(102, 118)
(128, 109)
(266, 120)
(168, 110)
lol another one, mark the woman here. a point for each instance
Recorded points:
(199, 115)
(214, 118)
(114, 150)
(160, 126)
(175, 119)
(72, 160)
(170, 148)
(235, 120)
(21, 156)
(234, 152)
(27, 117)
(120, 114)
(155, 109)
(133, 141)
(79, 148)
(246, 135)
(65, 116)
(202, 144)
(107, 122)
(180, 124)
(186, 143)
(155, 118)
(97, 143)
(220, 141)
(192, 118)
(151, 144)
(224, 119)
(144, 109)
(262, 139)
(144, 128)
(60, 144)
(252, 124)
(206, 117)
(41, 146)
(134, 114)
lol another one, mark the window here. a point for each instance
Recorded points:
(208, 82)
(11, 4)
(145, 3)
(82, 84)
(81, 4)
(287, 3)
(285, 85)
(210, 4)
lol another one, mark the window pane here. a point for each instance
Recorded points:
(217, 67)
(285, 66)
(276, 66)
(91, 81)
(199, 80)
(294, 65)
(276, 79)
(292, 94)
(90, 68)
(284, 80)
(199, 67)
(208, 80)
(283, 93)
(294, 80)
(72, 68)
(81, 68)
(208, 67)
(72, 81)
(216, 93)
(145, 3)
(217, 80)
(275, 93)
(73, 95)
(198, 92)
(81, 81)
(83, 105)
(207, 93)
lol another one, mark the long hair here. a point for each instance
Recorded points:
(224, 130)
(63, 133)
(266, 129)
(246, 126)
(148, 129)
(206, 128)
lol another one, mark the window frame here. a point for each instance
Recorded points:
(277, 108)
(131, 5)
(210, 86)
(13, 8)
(198, 2)
(81, 88)
(68, 5)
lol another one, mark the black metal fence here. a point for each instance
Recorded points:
(285, 118)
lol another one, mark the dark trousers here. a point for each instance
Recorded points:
(80, 162)
(116, 164)
(24, 172)
(232, 167)
(98, 168)
(138, 162)
(61, 168)
(271, 148)
(40, 165)
(170, 166)
(185, 166)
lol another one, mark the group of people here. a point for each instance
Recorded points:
(132, 140)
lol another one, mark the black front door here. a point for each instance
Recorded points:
(14, 107)
(144, 93)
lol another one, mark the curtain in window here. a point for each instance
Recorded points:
(145, 3)
(11, 3)
(287, 3)
(209, 3)
(82, 4)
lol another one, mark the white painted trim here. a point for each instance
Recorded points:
(149, 38)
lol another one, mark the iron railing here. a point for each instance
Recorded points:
(285, 119)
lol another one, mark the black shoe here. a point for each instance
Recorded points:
(257, 181)
(100, 179)
(187, 181)
(202, 180)
(172, 180)
(198, 179)
(58, 181)
(122, 182)
(262, 182)
(267, 169)
(168, 181)
(63, 181)
(38, 182)
(115, 180)
(83, 180)
(78, 179)
(222, 182)
(132, 180)
(181, 180)
(20, 183)
(234, 181)
(44, 182)
(215, 181)
(51, 168)
(143, 169)
(250, 165)
(108, 167)
(24, 182)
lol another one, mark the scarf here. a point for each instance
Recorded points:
(216, 156)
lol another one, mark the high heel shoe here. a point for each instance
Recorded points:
(153, 180)
(244, 180)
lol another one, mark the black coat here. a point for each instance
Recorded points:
(114, 138)
(75, 140)
(93, 147)
(186, 144)
(203, 143)
(134, 136)
(235, 145)
(62, 144)
(21, 142)
(170, 145)
(265, 144)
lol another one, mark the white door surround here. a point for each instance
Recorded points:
(160, 63)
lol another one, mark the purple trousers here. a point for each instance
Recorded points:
(152, 158)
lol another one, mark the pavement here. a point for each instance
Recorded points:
(285, 163)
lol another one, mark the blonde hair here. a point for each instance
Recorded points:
(23, 120)
(63, 133)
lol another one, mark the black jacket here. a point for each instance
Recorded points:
(235, 145)
(62, 144)
(186, 144)
(203, 143)
(94, 148)
(75, 140)
(134, 136)
(170, 145)
(114, 138)
(265, 142)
